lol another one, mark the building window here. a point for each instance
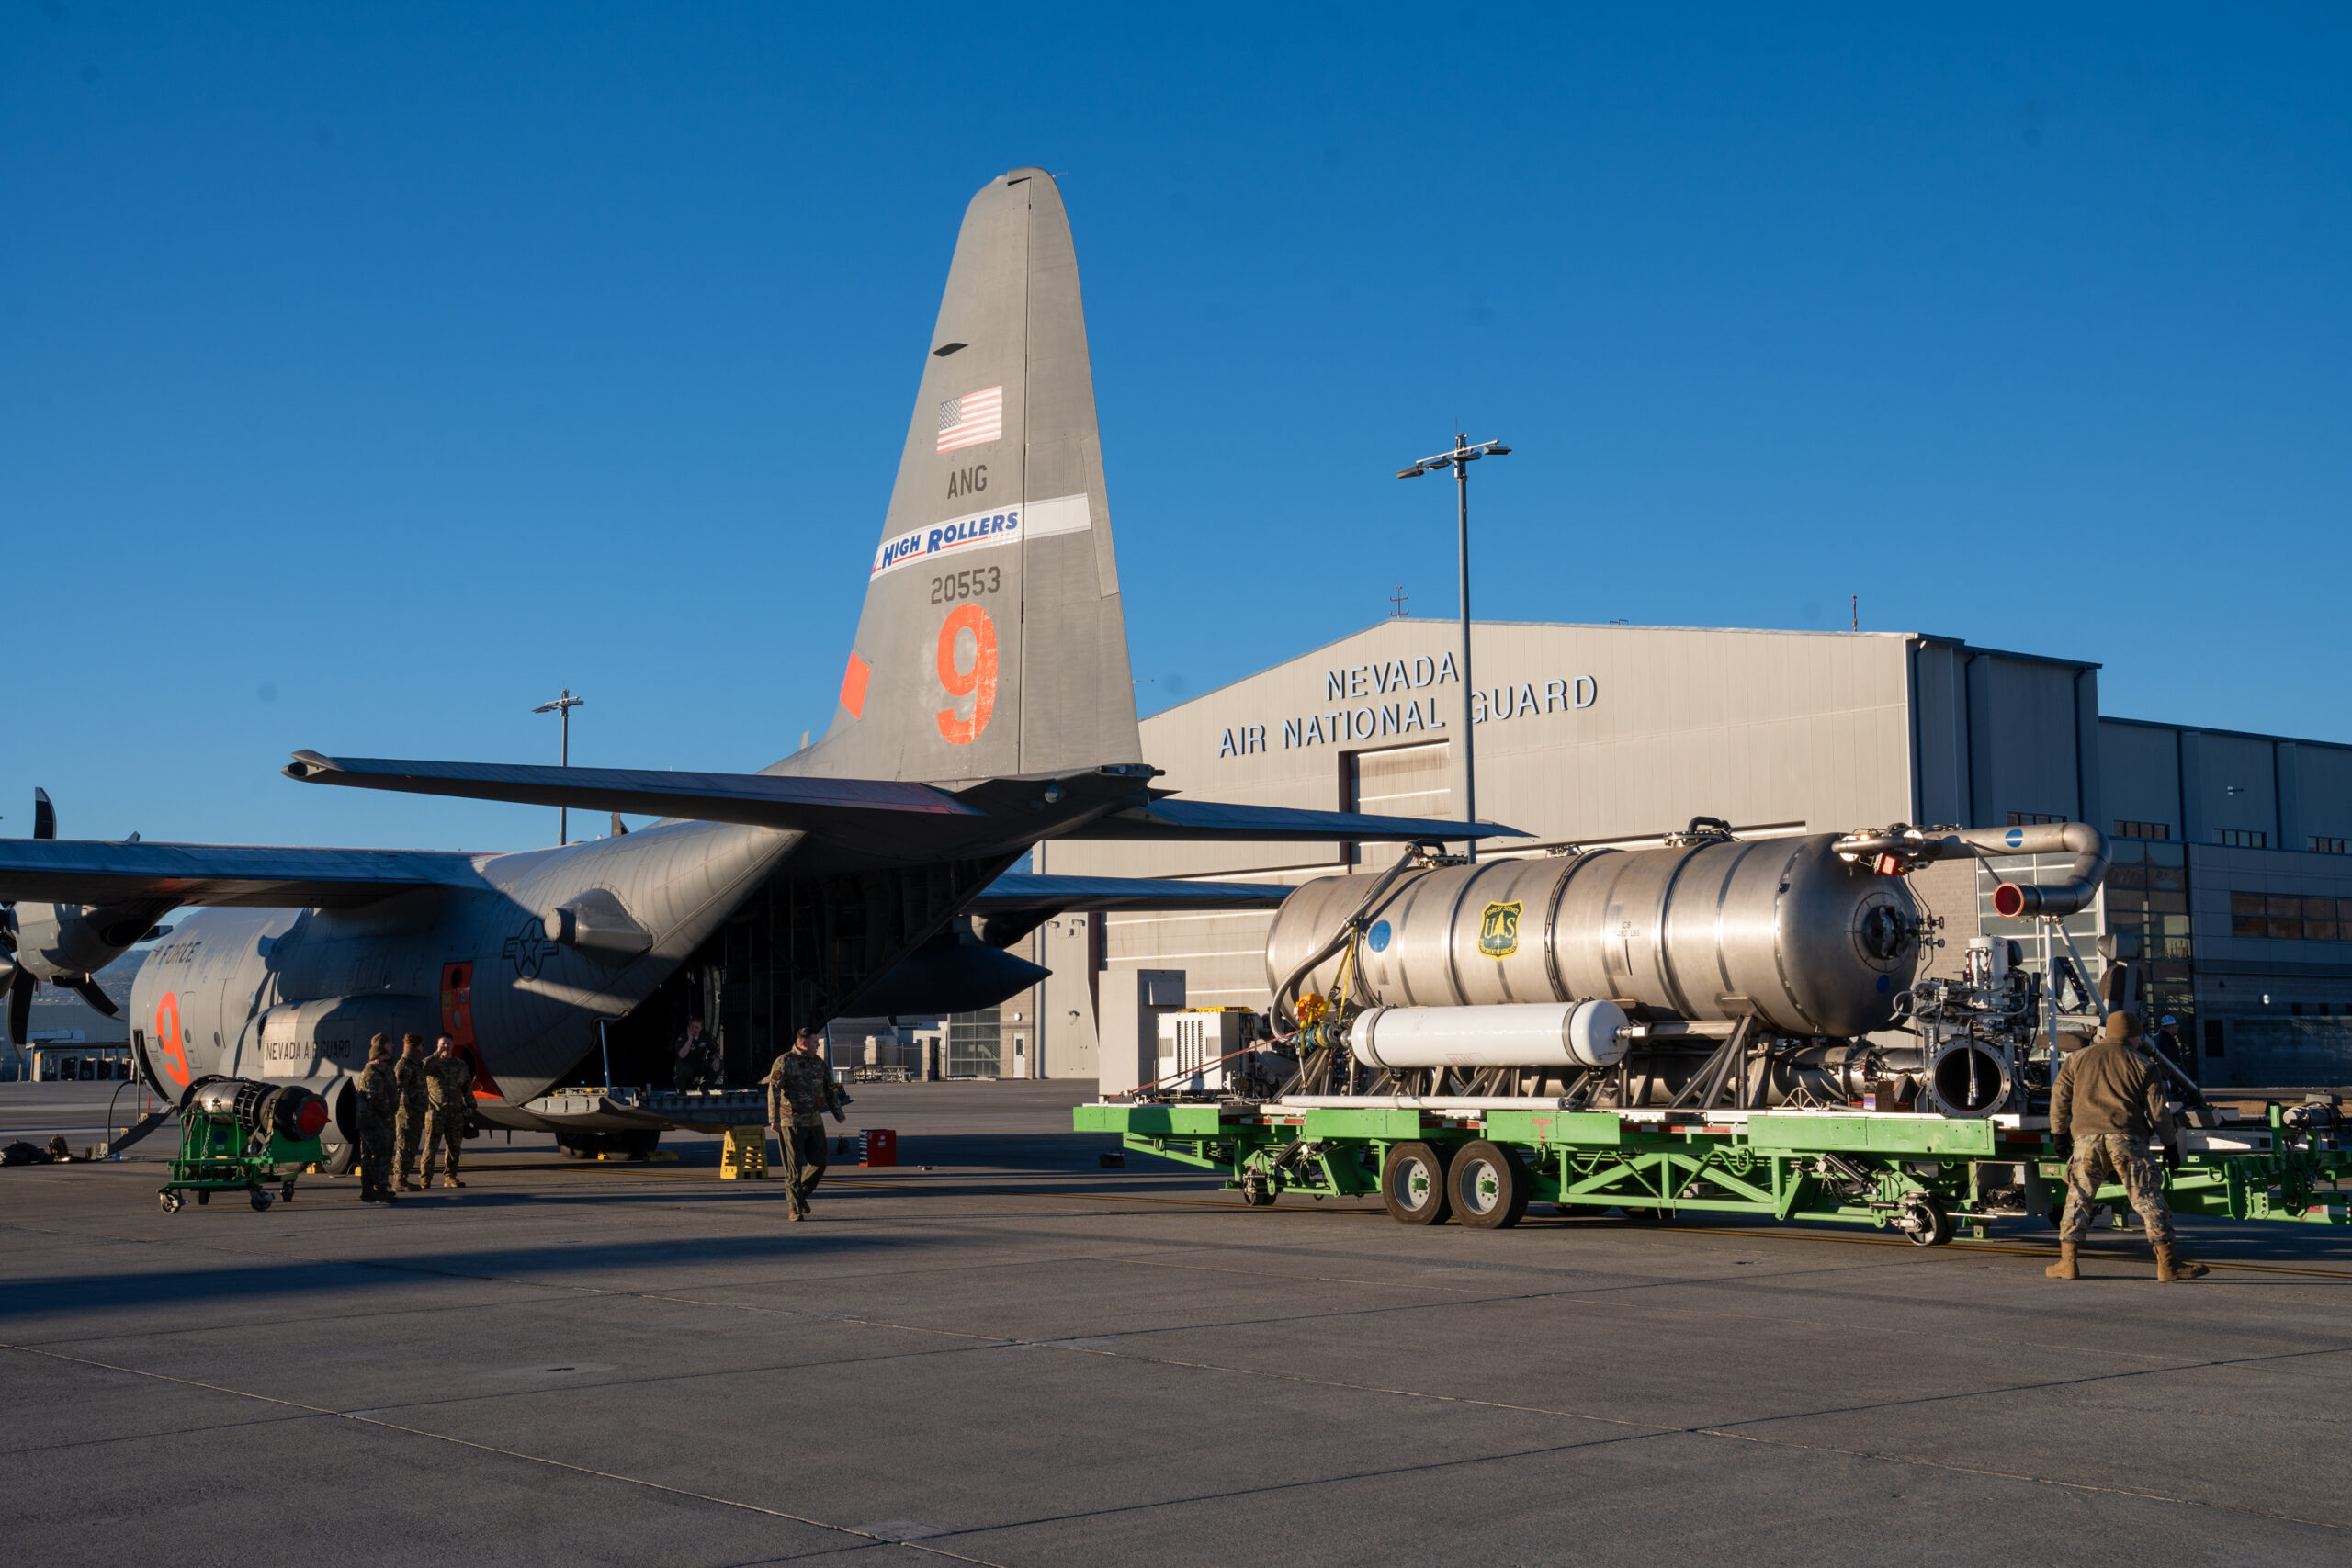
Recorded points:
(2240, 839)
(2289, 918)
(976, 1043)
(2143, 829)
(2331, 846)
(2031, 818)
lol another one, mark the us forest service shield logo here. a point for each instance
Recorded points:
(1498, 931)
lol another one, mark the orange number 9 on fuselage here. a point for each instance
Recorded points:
(173, 1064)
(978, 683)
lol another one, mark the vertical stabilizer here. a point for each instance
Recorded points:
(992, 641)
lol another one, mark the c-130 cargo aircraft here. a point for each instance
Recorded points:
(987, 705)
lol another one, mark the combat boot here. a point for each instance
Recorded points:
(451, 1181)
(2172, 1267)
(2064, 1267)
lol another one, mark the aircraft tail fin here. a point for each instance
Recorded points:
(992, 641)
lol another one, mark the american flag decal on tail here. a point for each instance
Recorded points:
(971, 419)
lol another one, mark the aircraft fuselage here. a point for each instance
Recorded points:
(295, 994)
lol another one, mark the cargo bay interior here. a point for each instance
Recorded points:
(2231, 878)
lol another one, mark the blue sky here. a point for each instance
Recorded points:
(369, 373)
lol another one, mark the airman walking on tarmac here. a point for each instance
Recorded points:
(2107, 1102)
(449, 1103)
(380, 1099)
(409, 1073)
(800, 1091)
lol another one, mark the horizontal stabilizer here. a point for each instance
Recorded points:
(72, 871)
(758, 800)
(1021, 893)
(1170, 819)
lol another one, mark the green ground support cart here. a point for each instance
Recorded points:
(237, 1135)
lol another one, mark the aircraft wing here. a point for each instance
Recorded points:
(72, 871)
(1024, 893)
(886, 813)
(759, 800)
(1169, 819)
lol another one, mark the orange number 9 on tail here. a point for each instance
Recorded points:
(978, 683)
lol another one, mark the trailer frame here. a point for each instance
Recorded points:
(1920, 1174)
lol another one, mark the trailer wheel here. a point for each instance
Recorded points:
(168, 1201)
(1926, 1224)
(203, 1196)
(1412, 1185)
(1256, 1190)
(258, 1196)
(1486, 1185)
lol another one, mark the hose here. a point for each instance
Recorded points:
(1349, 929)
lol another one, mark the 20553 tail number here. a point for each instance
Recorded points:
(966, 584)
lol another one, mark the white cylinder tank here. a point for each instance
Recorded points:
(1519, 1034)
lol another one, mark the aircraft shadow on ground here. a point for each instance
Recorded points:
(89, 1296)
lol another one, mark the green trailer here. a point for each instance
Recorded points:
(1922, 1175)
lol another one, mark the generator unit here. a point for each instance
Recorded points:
(1217, 1052)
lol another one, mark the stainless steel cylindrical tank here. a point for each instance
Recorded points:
(1780, 928)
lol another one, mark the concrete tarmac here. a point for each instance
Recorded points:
(1019, 1358)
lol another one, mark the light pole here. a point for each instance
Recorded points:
(1464, 453)
(563, 705)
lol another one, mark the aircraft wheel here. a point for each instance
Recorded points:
(1412, 1184)
(1486, 1185)
(635, 1142)
(258, 1196)
(580, 1146)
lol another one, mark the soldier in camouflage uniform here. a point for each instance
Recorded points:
(800, 1091)
(409, 1072)
(380, 1099)
(449, 1103)
(2106, 1103)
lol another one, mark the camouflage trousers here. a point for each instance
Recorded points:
(2101, 1157)
(444, 1130)
(410, 1134)
(375, 1152)
(803, 1158)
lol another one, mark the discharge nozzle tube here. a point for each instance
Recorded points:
(2011, 900)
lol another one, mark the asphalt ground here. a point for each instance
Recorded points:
(1016, 1357)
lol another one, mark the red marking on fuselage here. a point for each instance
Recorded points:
(458, 1023)
(172, 1049)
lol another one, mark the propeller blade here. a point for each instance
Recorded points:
(44, 816)
(20, 1006)
(90, 992)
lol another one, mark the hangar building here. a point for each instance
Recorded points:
(2231, 866)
